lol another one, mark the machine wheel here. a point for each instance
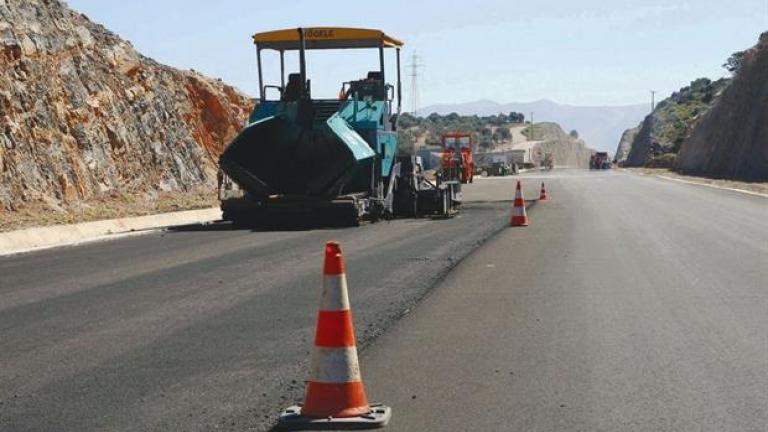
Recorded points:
(446, 203)
(414, 204)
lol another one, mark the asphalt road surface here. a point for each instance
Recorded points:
(630, 303)
(204, 328)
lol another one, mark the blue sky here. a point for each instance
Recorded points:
(586, 52)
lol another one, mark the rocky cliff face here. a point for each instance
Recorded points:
(625, 144)
(659, 137)
(565, 149)
(83, 115)
(731, 140)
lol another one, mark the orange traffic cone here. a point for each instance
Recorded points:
(543, 193)
(519, 217)
(335, 396)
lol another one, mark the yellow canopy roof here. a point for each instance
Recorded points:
(325, 38)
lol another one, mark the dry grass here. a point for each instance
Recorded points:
(40, 213)
(759, 187)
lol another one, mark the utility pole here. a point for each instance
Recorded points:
(414, 74)
(653, 100)
(530, 135)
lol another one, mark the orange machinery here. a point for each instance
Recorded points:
(456, 162)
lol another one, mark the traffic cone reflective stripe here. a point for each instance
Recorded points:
(543, 194)
(519, 217)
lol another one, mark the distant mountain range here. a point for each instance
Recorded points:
(601, 126)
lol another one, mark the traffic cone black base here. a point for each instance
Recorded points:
(291, 419)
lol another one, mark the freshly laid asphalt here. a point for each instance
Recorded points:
(629, 303)
(207, 327)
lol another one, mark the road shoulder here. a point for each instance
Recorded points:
(38, 238)
(750, 188)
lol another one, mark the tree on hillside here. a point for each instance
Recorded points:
(515, 117)
(485, 142)
(406, 121)
(406, 142)
(734, 62)
(574, 134)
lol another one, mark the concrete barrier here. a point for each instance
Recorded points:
(30, 239)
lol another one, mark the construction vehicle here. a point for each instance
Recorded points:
(497, 164)
(332, 160)
(499, 168)
(456, 162)
(599, 160)
(415, 195)
(549, 161)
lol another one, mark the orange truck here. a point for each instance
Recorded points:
(456, 162)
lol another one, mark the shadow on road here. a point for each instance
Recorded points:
(292, 224)
(275, 225)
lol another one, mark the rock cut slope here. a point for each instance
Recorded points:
(548, 137)
(731, 140)
(567, 150)
(659, 137)
(83, 115)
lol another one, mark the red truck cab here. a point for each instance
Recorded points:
(457, 162)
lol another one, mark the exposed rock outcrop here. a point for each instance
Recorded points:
(83, 115)
(565, 149)
(625, 144)
(731, 140)
(663, 131)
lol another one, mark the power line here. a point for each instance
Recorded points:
(413, 67)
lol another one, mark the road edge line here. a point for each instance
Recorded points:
(743, 191)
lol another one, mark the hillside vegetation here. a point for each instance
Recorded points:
(659, 137)
(712, 128)
(487, 131)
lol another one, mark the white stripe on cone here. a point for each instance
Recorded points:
(519, 211)
(334, 295)
(335, 365)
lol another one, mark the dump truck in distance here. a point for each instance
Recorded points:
(599, 160)
(330, 159)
